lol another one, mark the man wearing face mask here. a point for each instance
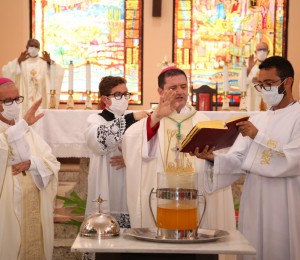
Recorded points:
(28, 181)
(267, 154)
(253, 98)
(32, 75)
(104, 135)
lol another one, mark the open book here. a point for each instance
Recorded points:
(217, 133)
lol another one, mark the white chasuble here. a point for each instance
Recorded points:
(26, 224)
(33, 79)
(176, 128)
(158, 155)
(31, 229)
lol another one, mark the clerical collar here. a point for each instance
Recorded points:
(185, 110)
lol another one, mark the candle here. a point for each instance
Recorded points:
(225, 78)
(71, 75)
(88, 76)
(243, 84)
(52, 76)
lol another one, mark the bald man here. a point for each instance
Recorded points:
(254, 100)
(32, 75)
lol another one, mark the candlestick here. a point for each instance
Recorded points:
(52, 76)
(225, 106)
(262, 105)
(225, 78)
(88, 76)
(52, 103)
(243, 84)
(243, 105)
(71, 75)
(70, 103)
(88, 101)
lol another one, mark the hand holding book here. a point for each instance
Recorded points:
(205, 154)
(246, 128)
(216, 133)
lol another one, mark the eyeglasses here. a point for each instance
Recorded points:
(10, 101)
(119, 95)
(267, 85)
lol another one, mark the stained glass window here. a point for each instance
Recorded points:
(210, 33)
(107, 34)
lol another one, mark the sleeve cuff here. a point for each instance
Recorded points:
(151, 131)
(259, 137)
(32, 164)
(18, 130)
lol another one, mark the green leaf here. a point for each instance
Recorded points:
(78, 211)
(78, 205)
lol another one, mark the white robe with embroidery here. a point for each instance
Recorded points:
(270, 208)
(43, 171)
(33, 79)
(143, 161)
(104, 140)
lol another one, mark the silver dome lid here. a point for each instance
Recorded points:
(100, 225)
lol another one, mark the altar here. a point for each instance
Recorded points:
(64, 129)
(126, 247)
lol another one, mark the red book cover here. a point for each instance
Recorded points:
(217, 133)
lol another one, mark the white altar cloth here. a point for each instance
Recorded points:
(234, 244)
(63, 129)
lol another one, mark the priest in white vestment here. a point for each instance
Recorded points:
(28, 182)
(268, 153)
(151, 145)
(35, 76)
(253, 98)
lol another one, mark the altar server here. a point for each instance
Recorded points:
(267, 153)
(28, 181)
(104, 136)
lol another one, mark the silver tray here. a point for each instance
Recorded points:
(149, 234)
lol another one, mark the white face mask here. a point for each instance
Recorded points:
(261, 55)
(33, 51)
(11, 112)
(118, 107)
(272, 98)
